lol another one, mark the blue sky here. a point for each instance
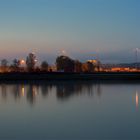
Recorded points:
(85, 29)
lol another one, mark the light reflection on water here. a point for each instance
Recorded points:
(63, 90)
(137, 100)
(69, 110)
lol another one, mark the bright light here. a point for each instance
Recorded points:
(63, 52)
(22, 61)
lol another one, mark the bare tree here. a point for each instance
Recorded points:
(31, 61)
(15, 66)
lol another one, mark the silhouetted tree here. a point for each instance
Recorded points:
(4, 65)
(78, 66)
(91, 67)
(88, 67)
(31, 61)
(64, 63)
(98, 66)
(84, 67)
(15, 65)
(44, 66)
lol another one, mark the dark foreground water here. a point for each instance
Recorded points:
(69, 110)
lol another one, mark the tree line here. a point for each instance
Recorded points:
(62, 64)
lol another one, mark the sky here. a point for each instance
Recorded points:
(108, 30)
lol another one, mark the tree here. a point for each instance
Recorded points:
(91, 67)
(98, 66)
(15, 65)
(88, 67)
(78, 66)
(31, 61)
(44, 66)
(64, 63)
(4, 63)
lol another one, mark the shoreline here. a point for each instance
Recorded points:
(58, 76)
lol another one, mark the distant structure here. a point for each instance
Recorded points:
(93, 61)
(96, 63)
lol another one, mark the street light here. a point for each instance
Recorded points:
(64, 52)
(22, 61)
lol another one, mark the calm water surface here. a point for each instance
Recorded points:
(69, 110)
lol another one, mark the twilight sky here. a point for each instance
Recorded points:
(85, 29)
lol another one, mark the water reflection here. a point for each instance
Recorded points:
(16, 92)
(23, 90)
(63, 90)
(137, 100)
(31, 93)
(69, 110)
(4, 91)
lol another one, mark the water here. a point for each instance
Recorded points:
(69, 110)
